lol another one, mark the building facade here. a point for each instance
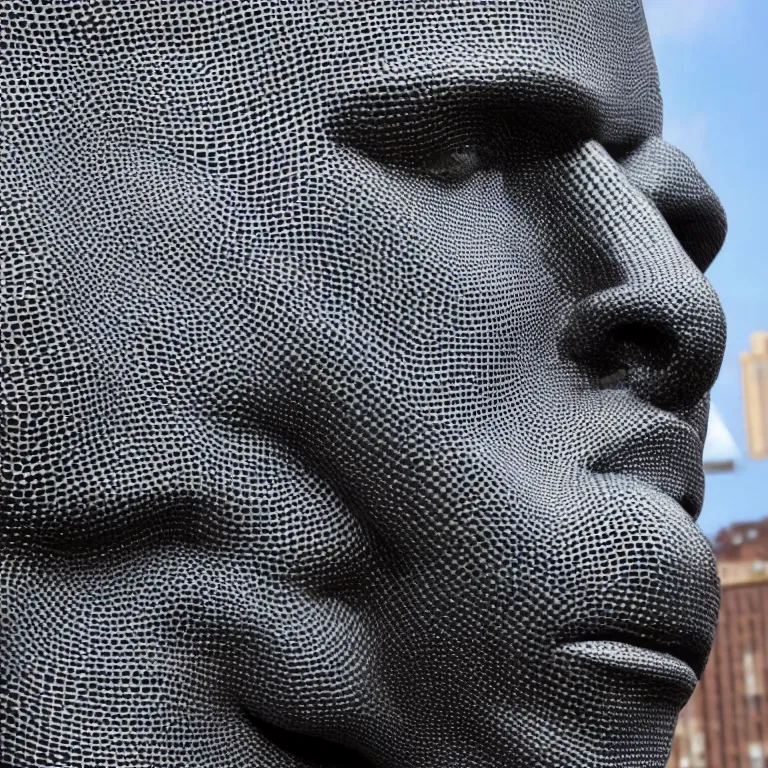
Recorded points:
(754, 382)
(725, 723)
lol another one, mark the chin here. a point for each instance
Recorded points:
(616, 718)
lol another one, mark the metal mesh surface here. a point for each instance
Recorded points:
(356, 359)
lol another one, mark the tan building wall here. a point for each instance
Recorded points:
(754, 382)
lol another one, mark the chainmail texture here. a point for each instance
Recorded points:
(356, 357)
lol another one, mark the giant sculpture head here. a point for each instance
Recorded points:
(357, 367)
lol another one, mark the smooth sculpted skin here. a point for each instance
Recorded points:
(357, 358)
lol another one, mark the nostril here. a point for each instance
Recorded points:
(613, 380)
(635, 344)
(310, 750)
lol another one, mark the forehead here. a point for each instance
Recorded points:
(588, 61)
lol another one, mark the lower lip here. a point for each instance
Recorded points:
(640, 662)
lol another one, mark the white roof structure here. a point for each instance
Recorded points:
(720, 450)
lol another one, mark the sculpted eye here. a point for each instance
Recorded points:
(456, 164)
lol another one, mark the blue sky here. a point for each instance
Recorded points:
(713, 66)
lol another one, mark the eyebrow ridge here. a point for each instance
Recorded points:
(537, 97)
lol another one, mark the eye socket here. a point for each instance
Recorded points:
(449, 146)
(457, 164)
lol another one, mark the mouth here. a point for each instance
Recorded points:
(692, 659)
(668, 457)
(659, 668)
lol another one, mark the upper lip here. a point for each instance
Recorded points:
(667, 455)
(664, 451)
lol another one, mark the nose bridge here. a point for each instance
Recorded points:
(626, 229)
(670, 180)
(659, 320)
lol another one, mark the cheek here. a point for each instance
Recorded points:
(444, 283)
(420, 348)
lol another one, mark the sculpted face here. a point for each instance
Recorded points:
(358, 367)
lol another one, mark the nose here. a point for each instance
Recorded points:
(659, 325)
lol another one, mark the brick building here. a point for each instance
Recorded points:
(742, 543)
(725, 723)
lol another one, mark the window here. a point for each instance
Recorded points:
(698, 748)
(755, 752)
(750, 678)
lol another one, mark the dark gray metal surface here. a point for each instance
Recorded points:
(356, 369)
